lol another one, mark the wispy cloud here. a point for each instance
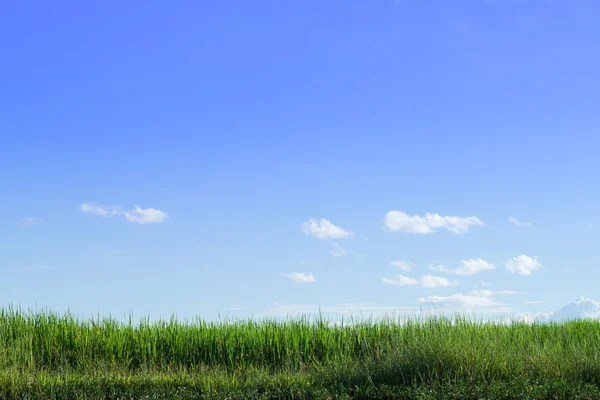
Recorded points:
(517, 222)
(523, 265)
(403, 265)
(399, 221)
(467, 267)
(145, 216)
(324, 229)
(29, 221)
(459, 301)
(400, 280)
(428, 281)
(338, 251)
(440, 268)
(99, 209)
(300, 277)
(473, 266)
(138, 215)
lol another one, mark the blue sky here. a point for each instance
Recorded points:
(258, 138)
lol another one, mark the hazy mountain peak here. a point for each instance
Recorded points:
(580, 308)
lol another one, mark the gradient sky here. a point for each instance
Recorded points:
(232, 124)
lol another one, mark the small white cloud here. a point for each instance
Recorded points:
(28, 221)
(324, 229)
(440, 268)
(300, 277)
(399, 221)
(403, 265)
(517, 222)
(99, 209)
(428, 281)
(338, 251)
(145, 216)
(473, 266)
(400, 280)
(523, 265)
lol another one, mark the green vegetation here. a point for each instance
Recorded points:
(46, 355)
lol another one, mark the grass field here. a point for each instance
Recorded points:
(46, 355)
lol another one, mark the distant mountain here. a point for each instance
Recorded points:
(581, 308)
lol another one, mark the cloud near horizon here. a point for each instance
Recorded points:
(426, 281)
(462, 301)
(398, 221)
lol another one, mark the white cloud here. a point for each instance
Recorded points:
(99, 209)
(145, 216)
(440, 268)
(473, 266)
(428, 281)
(403, 265)
(400, 280)
(401, 222)
(523, 265)
(338, 251)
(300, 277)
(324, 229)
(460, 301)
(517, 222)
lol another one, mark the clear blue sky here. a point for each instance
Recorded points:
(233, 123)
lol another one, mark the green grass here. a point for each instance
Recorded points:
(47, 355)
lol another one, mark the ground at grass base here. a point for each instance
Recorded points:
(88, 388)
